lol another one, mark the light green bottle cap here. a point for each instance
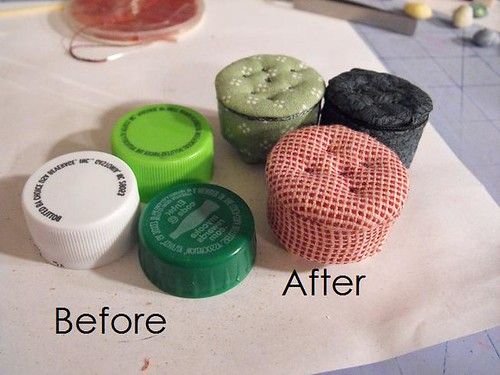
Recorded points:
(164, 144)
(196, 240)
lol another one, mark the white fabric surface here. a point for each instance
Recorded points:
(437, 278)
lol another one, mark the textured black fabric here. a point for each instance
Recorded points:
(378, 100)
(387, 107)
(402, 142)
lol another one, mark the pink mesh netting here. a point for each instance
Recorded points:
(333, 193)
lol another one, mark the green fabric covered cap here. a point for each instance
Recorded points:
(269, 86)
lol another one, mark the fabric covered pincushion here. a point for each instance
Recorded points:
(387, 107)
(333, 193)
(262, 97)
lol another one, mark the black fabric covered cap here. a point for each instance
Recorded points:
(378, 101)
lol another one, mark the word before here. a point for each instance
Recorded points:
(103, 323)
(341, 285)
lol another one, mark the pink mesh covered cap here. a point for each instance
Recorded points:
(333, 193)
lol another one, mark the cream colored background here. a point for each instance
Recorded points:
(437, 278)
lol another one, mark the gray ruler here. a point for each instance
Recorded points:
(356, 12)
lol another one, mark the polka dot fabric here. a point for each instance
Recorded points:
(262, 97)
(333, 193)
(269, 86)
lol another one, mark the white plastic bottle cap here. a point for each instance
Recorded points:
(82, 209)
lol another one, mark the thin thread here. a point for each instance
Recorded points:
(462, 78)
(492, 344)
(445, 355)
(72, 49)
(399, 367)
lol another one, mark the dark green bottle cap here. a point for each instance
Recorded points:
(196, 240)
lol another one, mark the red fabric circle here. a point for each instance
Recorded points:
(333, 193)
